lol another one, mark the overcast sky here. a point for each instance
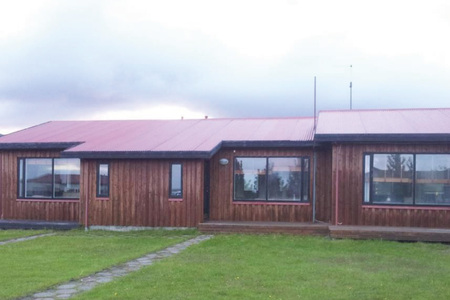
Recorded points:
(70, 60)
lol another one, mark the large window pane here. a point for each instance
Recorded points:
(392, 178)
(250, 178)
(285, 177)
(67, 178)
(432, 179)
(38, 178)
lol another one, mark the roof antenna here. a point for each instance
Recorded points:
(351, 87)
(315, 104)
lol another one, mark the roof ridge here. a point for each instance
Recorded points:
(383, 109)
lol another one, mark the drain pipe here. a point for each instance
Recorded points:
(1, 184)
(336, 213)
(86, 206)
(314, 186)
(86, 218)
(314, 157)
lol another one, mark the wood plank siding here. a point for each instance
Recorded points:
(139, 194)
(348, 170)
(222, 207)
(26, 209)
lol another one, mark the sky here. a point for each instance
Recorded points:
(84, 60)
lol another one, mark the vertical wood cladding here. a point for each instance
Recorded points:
(11, 208)
(139, 194)
(222, 207)
(348, 161)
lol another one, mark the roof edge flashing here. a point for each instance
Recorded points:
(39, 146)
(137, 154)
(400, 137)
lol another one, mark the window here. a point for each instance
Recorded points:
(103, 180)
(176, 181)
(432, 179)
(271, 179)
(49, 178)
(407, 179)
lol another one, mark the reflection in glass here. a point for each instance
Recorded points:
(392, 178)
(38, 178)
(103, 180)
(284, 181)
(66, 178)
(367, 178)
(305, 176)
(250, 178)
(432, 179)
(176, 181)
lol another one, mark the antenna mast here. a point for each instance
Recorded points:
(351, 88)
(315, 104)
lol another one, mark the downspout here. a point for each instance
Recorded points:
(1, 186)
(86, 206)
(314, 158)
(336, 213)
(314, 185)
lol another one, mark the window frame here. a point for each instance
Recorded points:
(413, 183)
(282, 201)
(21, 182)
(171, 195)
(97, 190)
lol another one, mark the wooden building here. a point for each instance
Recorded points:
(359, 167)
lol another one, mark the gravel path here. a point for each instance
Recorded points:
(69, 289)
(25, 238)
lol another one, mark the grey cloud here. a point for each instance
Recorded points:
(79, 64)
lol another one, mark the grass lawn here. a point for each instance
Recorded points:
(14, 234)
(35, 265)
(290, 267)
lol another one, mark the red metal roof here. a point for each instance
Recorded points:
(201, 138)
(162, 135)
(384, 122)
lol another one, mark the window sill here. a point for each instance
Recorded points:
(102, 198)
(410, 207)
(175, 199)
(48, 200)
(270, 203)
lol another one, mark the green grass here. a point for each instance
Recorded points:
(14, 233)
(290, 267)
(35, 265)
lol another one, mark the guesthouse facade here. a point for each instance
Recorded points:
(359, 167)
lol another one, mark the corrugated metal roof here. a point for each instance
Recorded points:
(200, 138)
(384, 122)
(161, 135)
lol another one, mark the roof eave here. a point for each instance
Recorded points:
(38, 146)
(137, 154)
(379, 138)
(266, 144)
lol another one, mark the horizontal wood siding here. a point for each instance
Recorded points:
(222, 207)
(139, 194)
(348, 161)
(11, 208)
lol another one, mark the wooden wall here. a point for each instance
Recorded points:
(11, 208)
(139, 194)
(348, 161)
(222, 207)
